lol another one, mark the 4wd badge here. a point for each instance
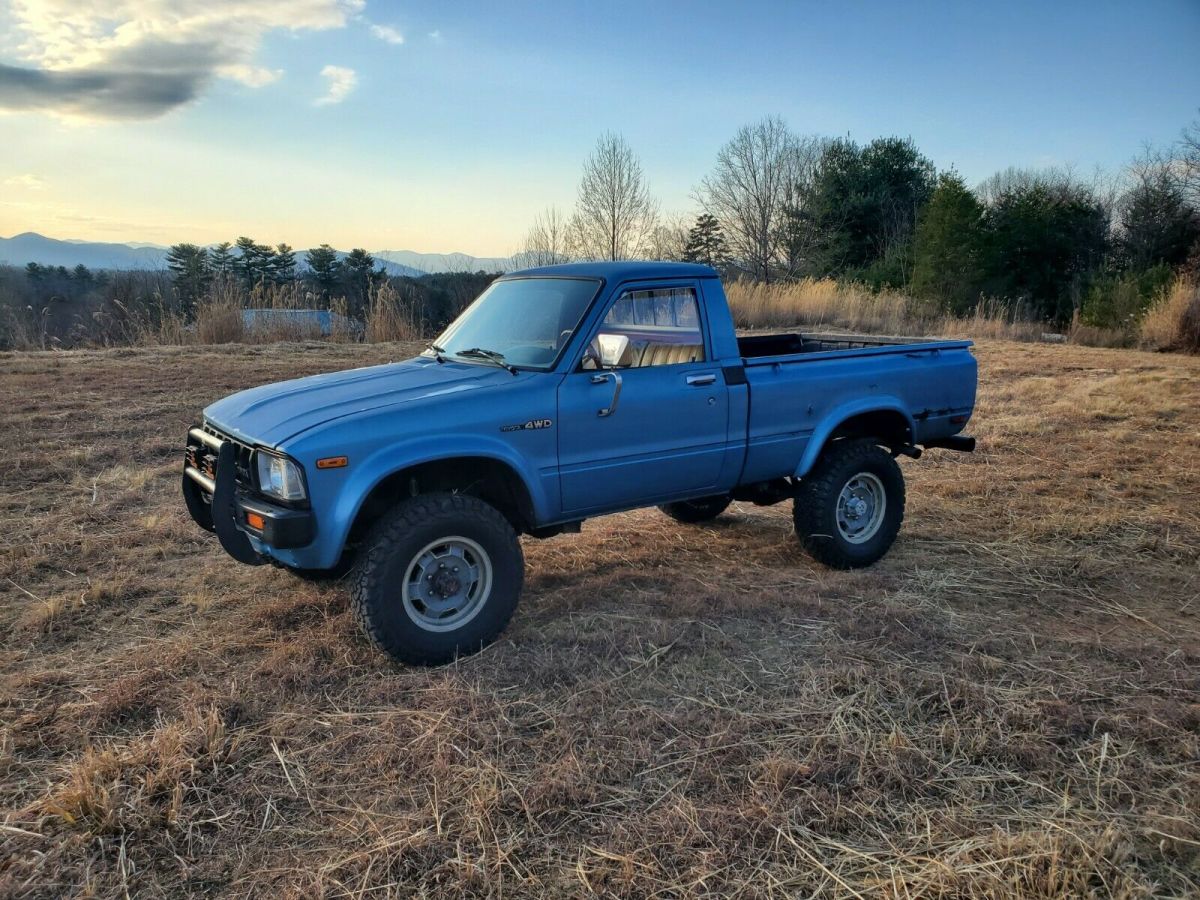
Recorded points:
(531, 425)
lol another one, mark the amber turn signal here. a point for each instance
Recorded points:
(332, 462)
(255, 521)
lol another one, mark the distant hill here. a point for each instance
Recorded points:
(445, 262)
(32, 247)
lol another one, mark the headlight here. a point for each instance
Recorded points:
(280, 477)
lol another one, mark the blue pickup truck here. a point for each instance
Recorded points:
(562, 393)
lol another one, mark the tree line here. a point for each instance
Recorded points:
(253, 266)
(779, 206)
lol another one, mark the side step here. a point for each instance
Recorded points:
(959, 442)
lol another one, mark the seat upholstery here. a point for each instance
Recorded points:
(669, 354)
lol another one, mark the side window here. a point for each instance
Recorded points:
(649, 328)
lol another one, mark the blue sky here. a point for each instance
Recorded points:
(216, 118)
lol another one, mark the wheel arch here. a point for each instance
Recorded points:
(888, 423)
(492, 480)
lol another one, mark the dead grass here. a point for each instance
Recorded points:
(1007, 706)
(1173, 323)
(826, 304)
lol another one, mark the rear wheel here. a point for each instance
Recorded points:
(848, 510)
(439, 578)
(700, 510)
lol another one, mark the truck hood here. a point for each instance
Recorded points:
(273, 413)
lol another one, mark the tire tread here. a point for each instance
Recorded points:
(371, 564)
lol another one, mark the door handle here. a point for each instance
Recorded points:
(600, 379)
(699, 380)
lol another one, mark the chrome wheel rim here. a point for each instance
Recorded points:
(860, 508)
(447, 583)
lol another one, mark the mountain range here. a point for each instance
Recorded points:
(32, 247)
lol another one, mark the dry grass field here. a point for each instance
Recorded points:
(1007, 706)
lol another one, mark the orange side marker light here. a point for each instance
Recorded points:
(332, 462)
(255, 521)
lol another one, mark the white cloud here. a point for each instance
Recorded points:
(387, 33)
(29, 181)
(251, 76)
(138, 59)
(435, 35)
(341, 83)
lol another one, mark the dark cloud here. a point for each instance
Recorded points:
(100, 93)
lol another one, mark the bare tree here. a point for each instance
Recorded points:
(614, 214)
(1189, 161)
(759, 174)
(547, 243)
(668, 240)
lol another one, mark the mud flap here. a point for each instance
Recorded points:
(224, 511)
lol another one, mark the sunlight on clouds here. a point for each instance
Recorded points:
(341, 82)
(251, 76)
(138, 59)
(28, 181)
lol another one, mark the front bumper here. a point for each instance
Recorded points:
(217, 500)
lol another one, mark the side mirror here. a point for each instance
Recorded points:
(612, 348)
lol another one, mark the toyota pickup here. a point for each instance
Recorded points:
(563, 393)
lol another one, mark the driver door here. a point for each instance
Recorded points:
(643, 415)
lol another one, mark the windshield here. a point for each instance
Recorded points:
(527, 320)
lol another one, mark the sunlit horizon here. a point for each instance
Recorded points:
(438, 130)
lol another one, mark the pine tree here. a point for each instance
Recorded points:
(948, 251)
(221, 260)
(190, 274)
(283, 264)
(254, 262)
(358, 269)
(323, 263)
(706, 243)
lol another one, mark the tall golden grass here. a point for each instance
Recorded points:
(825, 304)
(1173, 322)
(389, 318)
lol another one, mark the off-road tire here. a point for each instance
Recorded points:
(389, 550)
(815, 508)
(703, 509)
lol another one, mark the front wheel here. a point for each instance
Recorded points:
(848, 510)
(439, 578)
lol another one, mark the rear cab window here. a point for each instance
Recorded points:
(657, 327)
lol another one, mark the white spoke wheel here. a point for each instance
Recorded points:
(848, 509)
(447, 583)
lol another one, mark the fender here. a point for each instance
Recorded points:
(392, 458)
(838, 415)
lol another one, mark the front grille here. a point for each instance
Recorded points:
(203, 458)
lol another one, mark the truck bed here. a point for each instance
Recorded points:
(801, 383)
(757, 346)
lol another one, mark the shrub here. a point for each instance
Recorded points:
(1173, 322)
(1120, 301)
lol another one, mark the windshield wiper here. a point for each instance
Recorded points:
(437, 351)
(492, 356)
